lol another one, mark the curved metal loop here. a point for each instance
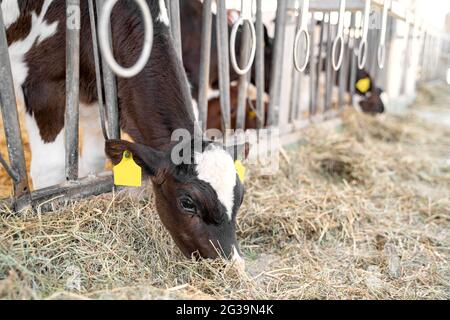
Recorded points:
(338, 41)
(246, 17)
(362, 57)
(303, 30)
(362, 52)
(105, 45)
(234, 63)
(298, 66)
(339, 38)
(382, 45)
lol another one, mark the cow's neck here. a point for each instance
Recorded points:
(166, 104)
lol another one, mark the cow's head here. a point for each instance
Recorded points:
(198, 201)
(370, 96)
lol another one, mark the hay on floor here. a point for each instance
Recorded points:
(362, 212)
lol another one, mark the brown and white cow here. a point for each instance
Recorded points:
(191, 30)
(197, 202)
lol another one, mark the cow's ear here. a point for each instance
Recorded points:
(149, 159)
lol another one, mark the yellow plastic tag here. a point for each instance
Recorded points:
(127, 173)
(251, 115)
(240, 169)
(363, 85)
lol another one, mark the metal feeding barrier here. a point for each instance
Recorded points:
(318, 47)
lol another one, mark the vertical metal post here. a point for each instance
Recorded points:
(72, 87)
(98, 71)
(260, 84)
(277, 64)
(175, 27)
(313, 70)
(329, 67)
(343, 73)
(320, 62)
(223, 50)
(10, 116)
(353, 60)
(110, 85)
(407, 61)
(243, 79)
(295, 93)
(383, 74)
(205, 59)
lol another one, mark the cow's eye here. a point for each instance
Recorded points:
(188, 205)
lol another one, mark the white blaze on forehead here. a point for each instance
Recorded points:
(216, 167)
(163, 14)
(11, 12)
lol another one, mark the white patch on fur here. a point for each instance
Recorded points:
(216, 167)
(40, 30)
(11, 12)
(163, 14)
(93, 157)
(47, 159)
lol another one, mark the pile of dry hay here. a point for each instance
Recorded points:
(362, 212)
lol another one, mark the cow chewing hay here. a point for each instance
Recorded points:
(373, 225)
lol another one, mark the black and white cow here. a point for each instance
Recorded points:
(197, 202)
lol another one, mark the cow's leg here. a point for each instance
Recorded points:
(48, 158)
(93, 151)
(44, 119)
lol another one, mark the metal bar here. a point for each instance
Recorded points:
(328, 6)
(72, 88)
(407, 61)
(205, 59)
(175, 27)
(353, 44)
(259, 61)
(110, 86)
(313, 70)
(243, 79)
(44, 200)
(383, 74)
(320, 63)
(98, 71)
(224, 64)
(295, 92)
(329, 67)
(10, 116)
(343, 75)
(277, 64)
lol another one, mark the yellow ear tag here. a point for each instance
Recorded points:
(240, 169)
(127, 173)
(363, 85)
(251, 115)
